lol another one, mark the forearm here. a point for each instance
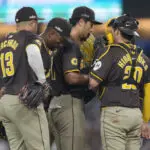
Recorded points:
(146, 106)
(35, 62)
(77, 78)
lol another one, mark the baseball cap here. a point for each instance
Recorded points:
(127, 24)
(26, 14)
(62, 26)
(84, 12)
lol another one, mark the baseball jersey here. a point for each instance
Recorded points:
(64, 60)
(46, 54)
(14, 70)
(121, 71)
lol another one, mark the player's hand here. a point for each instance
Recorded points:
(145, 131)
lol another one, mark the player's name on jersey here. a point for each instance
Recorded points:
(127, 58)
(9, 43)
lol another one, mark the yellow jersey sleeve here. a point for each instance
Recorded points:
(146, 105)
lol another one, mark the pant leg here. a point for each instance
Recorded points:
(118, 123)
(133, 135)
(113, 138)
(32, 124)
(67, 123)
(14, 136)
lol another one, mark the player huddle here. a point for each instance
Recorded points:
(47, 79)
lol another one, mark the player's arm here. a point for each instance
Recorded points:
(76, 78)
(145, 130)
(71, 67)
(35, 61)
(101, 67)
(146, 104)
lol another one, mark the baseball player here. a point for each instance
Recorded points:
(22, 72)
(55, 35)
(120, 72)
(81, 34)
(66, 114)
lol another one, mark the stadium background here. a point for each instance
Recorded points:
(104, 9)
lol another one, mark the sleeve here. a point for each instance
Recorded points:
(146, 103)
(35, 61)
(147, 73)
(71, 59)
(101, 66)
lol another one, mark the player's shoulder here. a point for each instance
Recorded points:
(10, 35)
(111, 48)
(32, 38)
(71, 46)
(119, 48)
(70, 43)
(27, 34)
(116, 46)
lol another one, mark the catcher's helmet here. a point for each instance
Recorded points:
(126, 24)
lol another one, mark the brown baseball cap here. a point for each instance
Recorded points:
(62, 26)
(84, 12)
(26, 14)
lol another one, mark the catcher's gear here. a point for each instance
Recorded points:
(127, 25)
(32, 95)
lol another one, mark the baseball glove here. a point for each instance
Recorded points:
(32, 95)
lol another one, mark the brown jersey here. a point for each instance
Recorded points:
(63, 61)
(14, 69)
(46, 57)
(122, 71)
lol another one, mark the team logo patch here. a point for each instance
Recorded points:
(97, 65)
(74, 61)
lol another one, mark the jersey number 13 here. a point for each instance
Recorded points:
(7, 65)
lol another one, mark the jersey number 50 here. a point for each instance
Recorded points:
(137, 76)
(7, 65)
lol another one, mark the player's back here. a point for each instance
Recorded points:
(126, 74)
(14, 68)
